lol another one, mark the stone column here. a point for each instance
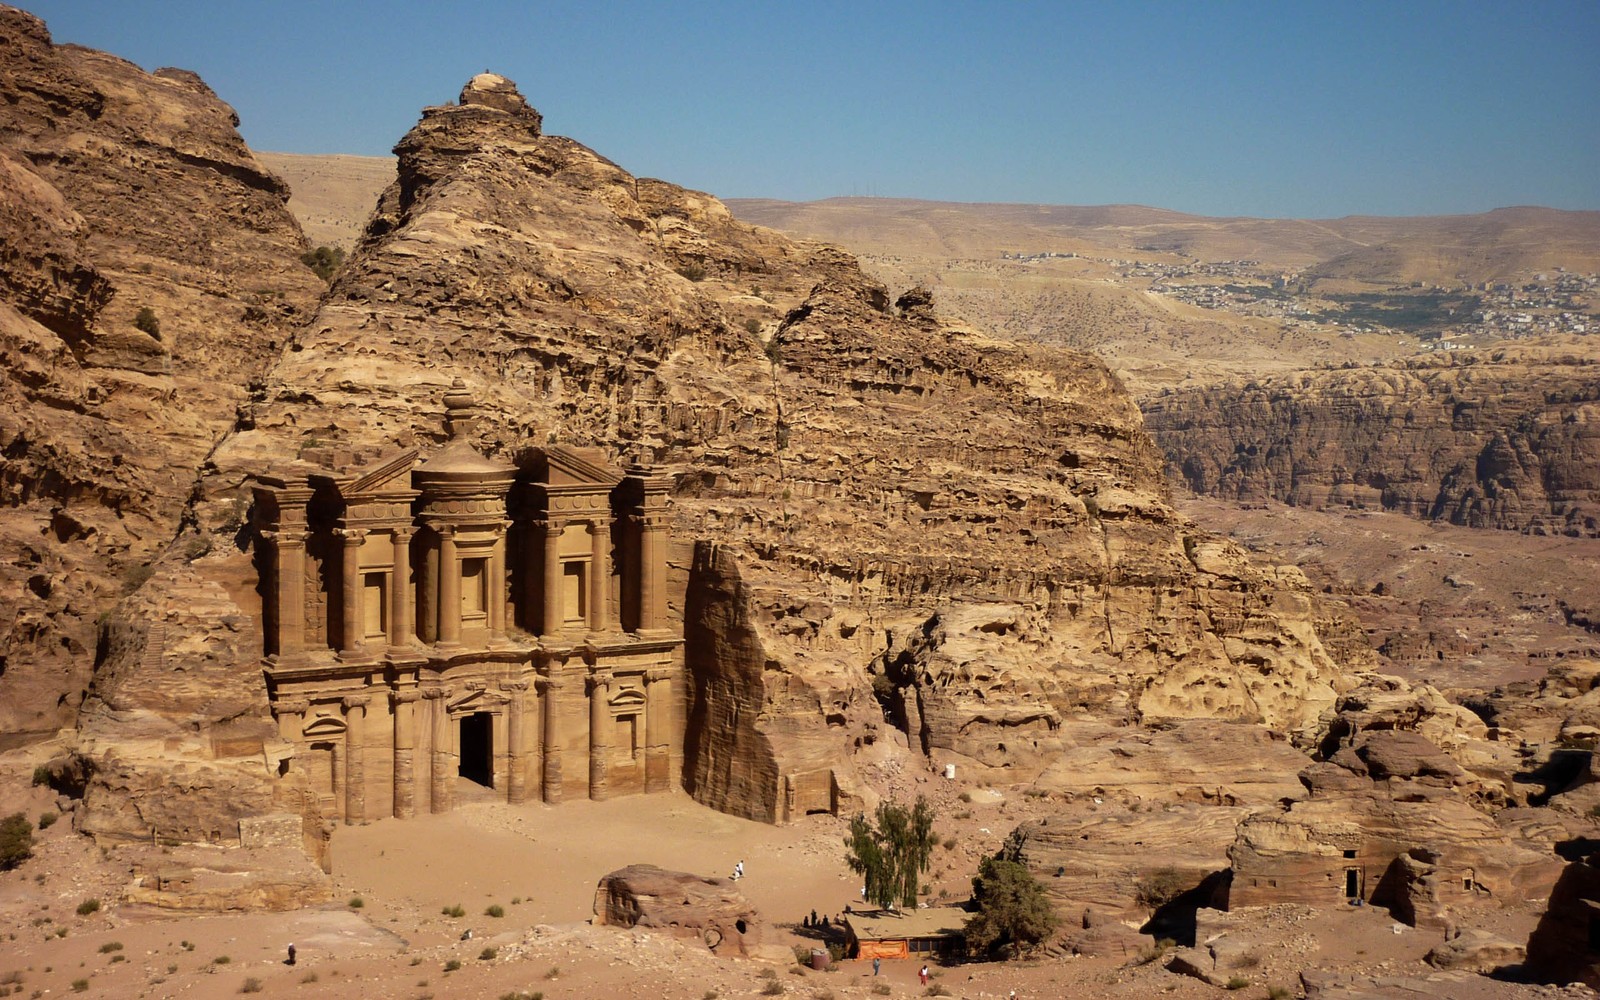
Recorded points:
(652, 573)
(401, 631)
(339, 782)
(516, 743)
(552, 777)
(599, 574)
(599, 733)
(657, 730)
(353, 641)
(444, 769)
(405, 721)
(449, 587)
(553, 618)
(355, 788)
(496, 586)
(290, 546)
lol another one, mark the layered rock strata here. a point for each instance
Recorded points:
(121, 192)
(1507, 437)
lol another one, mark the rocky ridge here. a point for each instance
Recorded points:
(1501, 437)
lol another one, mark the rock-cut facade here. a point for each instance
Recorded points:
(439, 626)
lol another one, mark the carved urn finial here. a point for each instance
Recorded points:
(460, 411)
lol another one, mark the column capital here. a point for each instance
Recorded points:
(351, 536)
(292, 706)
(285, 536)
(434, 694)
(444, 530)
(513, 686)
(549, 523)
(597, 680)
(548, 683)
(404, 696)
(655, 674)
(403, 532)
(357, 701)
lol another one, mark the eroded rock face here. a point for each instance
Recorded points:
(1384, 822)
(854, 479)
(120, 190)
(1562, 947)
(1507, 438)
(711, 910)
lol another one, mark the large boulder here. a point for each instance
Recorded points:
(711, 910)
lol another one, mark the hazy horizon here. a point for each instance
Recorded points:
(1234, 110)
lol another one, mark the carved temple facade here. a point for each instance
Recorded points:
(453, 624)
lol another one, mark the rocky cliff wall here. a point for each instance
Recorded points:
(120, 191)
(854, 472)
(1506, 438)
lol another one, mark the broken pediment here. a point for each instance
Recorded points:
(559, 466)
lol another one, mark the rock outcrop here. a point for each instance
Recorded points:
(883, 524)
(1385, 822)
(1505, 437)
(861, 488)
(1562, 948)
(711, 910)
(121, 193)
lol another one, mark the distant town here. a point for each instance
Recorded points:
(1442, 317)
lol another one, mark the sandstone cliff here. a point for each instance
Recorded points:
(1505, 437)
(891, 519)
(120, 191)
(885, 526)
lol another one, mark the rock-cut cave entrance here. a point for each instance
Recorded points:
(477, 748)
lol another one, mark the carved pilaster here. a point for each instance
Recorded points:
(516, 742)
(291, 714)
(355, 789)
(289, 556)
(444, 758)
(553, 618)
(657, 730)
(352, 641)
(401, 629)
(599, 575)
(449, 587)
(599, 684)
(496, 588)
(551, 779)
(405, 741)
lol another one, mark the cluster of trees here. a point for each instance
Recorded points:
(1011, 913)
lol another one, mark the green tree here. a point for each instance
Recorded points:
(891, 853)
(16, 841)
(146, 321)
(1013, 913)
(324, 260)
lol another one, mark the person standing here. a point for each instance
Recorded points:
(922, 974)
(875, 961)
(291, 953)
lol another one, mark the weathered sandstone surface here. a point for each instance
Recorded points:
(876, 514)
(1505, 437)
(120, 190)
(1561, 949)
(711, 910)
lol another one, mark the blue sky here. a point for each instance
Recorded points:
(1287, 109)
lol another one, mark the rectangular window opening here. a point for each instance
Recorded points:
(375, 614)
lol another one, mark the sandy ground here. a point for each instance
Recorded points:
(540, 864)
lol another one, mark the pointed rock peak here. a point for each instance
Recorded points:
(491, 90)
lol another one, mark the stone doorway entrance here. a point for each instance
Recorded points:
(477, 748)
(1352, 883)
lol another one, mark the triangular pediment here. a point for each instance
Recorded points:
(569, 467)
(388, 476)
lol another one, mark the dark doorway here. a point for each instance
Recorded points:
(1352, 881)
(477, 748)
